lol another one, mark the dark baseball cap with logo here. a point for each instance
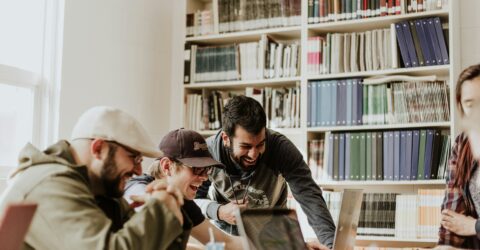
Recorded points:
(188, 147)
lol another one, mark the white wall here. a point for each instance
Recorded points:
(117, 53)
(469, 32)
(178, 37)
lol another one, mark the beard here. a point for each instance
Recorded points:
(110, 178)
(239, 160)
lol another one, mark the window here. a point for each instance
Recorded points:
(30, 62)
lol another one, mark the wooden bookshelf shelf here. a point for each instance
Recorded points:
(371, 23)
(242, 84)
(378, 241)
(287, 33)
(381, 127)
(438, 70)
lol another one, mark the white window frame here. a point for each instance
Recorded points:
(46, 84)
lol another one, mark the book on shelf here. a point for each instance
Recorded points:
(390, 215)
(422, 42)
(281, 105)
(187, 60)
(442, 42)
(429, 213)
(203, 112)
(333, 53)
(315, 157)
(353, 103)
(389, 155)
(225, 16)
(241, 15)
(200, 23)
(321, 11)
(265, 59)
(214, 63)
(404, 51)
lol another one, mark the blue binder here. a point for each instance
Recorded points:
(415, 151)
(385, 155)
(309, 104)
(403, 45)
(410, 45)
(396, 155)
(403, 155)
(408, 155)
(348, 100)
(424, 44)
(429, 29)
(326, 104)
(441, 40)
(320, 111)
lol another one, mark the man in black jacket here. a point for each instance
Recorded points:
(259, 164)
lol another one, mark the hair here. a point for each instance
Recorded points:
(112, 149)
(245, 112)
(109, 168)
(467, 74)
(155, 169)
(465, 158)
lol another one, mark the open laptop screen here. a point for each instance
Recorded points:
(270, 229)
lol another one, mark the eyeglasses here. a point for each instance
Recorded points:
(136, 157)
(202, 171)
(195, 170)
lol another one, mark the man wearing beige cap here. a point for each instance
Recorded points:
(78, 185)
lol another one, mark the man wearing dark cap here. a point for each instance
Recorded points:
(259, 163)
(186, 164)
(68, 179)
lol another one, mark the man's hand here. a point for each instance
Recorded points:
(315, 245)
(227, 212)
(167, 194)
(458, 223)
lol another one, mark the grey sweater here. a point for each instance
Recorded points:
(265, 186)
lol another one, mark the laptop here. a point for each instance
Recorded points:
(350, 208)
(277, 228)
(273, 228)
(14, 224)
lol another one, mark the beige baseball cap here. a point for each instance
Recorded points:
(112, 124)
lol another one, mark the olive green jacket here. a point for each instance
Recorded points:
(68, 216)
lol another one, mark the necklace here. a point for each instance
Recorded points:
(235, 191)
